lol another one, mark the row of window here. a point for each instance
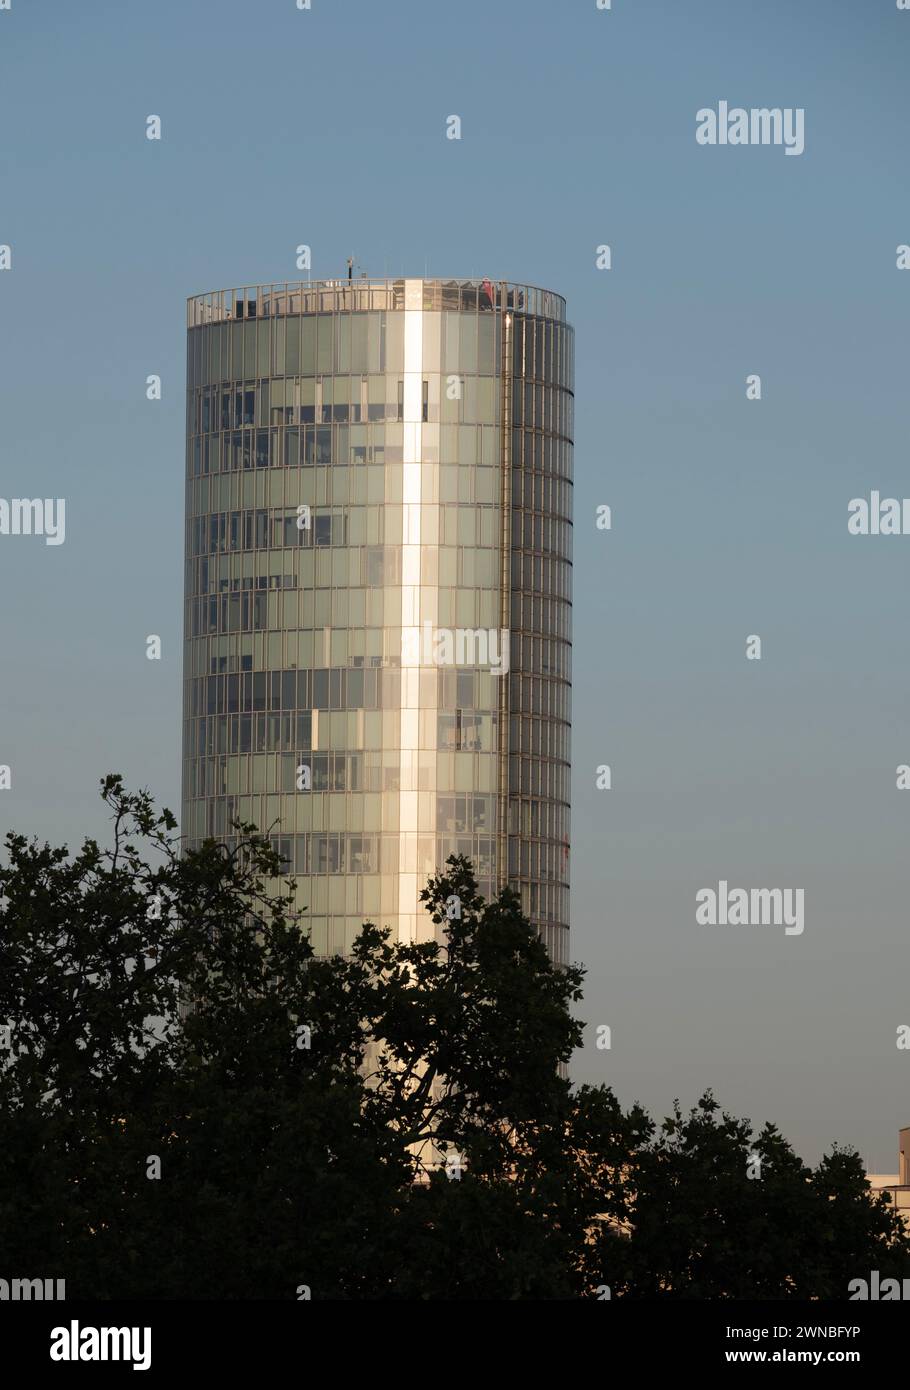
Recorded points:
(247, 733)
(555, 937)
(335, 688)
(459, 522)
(244, 774)
(243, 412)
(462, 613)
(341, 852)
(547, 833)
(335, 906)
(226, 458)
(328, 688)
(543, 534)
(445, 568)
(377, 487)
(338, 874)
(533, 452)
(460, 731)
(253, 604)
(341, 344)
(541, 574)
(445, 483)
(547, 408)
(344, 853)
(374, 342)
(535, 777)
(532, 577)
(539, 820)
(235, 609)
(547, 906)
(543, 350)
(307, 774)
(542, 492)
(542, 738)
(243, 450)
(264, 528)
(303, 526)
(335, 446)
(269, 529)
(333, 921)
(260, 529)
(215, 816)
(244, 612)
(540, 695)
(341, 401)
(447, 688)
(539, 861)
(457, 730)
(378, 400)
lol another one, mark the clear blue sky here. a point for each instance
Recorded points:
(327, 127)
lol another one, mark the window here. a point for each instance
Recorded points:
(323, 447)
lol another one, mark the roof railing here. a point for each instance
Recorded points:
(360, 296)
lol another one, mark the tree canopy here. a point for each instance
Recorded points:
(194, 1105)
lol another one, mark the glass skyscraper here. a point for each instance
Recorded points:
(378, 590)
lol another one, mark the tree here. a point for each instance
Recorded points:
(714, 1212)
(258, 1140)
(193, 1105)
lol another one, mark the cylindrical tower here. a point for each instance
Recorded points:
(378, 590)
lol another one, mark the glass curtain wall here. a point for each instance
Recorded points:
(378, 590)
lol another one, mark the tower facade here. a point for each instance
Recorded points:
(378, 586)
